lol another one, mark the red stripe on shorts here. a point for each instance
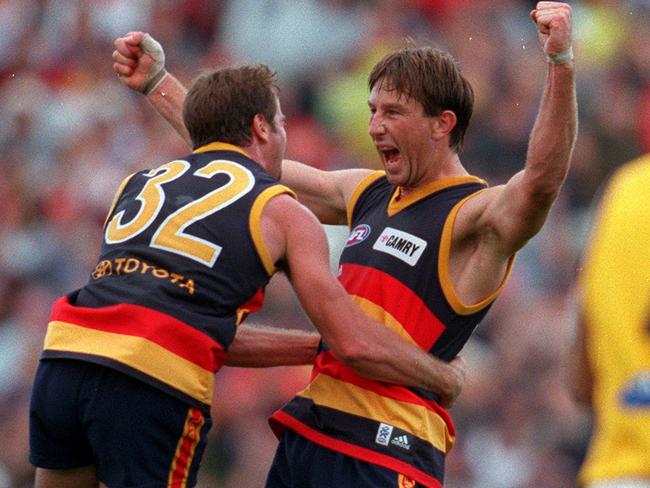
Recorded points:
(180, 469)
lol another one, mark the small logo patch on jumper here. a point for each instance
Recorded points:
(358, 235)
(402, 245)
(383, 434)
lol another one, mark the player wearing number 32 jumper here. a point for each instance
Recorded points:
(123, 391)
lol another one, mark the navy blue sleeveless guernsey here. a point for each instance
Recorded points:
(182, 263)
(395, 267)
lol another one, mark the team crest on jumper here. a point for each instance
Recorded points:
(358, 234)
(402, 245)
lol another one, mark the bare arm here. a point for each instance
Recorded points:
(371, 349)
(168, 100)
(256, 346)
(325, 193)
(510, 215)
(139, 63)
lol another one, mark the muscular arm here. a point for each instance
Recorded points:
(368, 347)
(325, 193)
(167, 99)
(518, 210)
(135, 62)
(496, 223)
(256, 346)
(515, 212)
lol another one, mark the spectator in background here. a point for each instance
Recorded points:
(611, 362)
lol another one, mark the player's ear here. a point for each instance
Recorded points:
(261, 127)
(443, 124)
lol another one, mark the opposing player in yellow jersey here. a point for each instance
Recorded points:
(611, 364)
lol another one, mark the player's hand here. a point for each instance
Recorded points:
(554, 25)
(139, 61)
(456, 386)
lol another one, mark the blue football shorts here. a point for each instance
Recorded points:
(136, 435)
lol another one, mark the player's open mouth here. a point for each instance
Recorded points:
(390, 155)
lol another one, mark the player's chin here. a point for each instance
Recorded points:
(395, 178)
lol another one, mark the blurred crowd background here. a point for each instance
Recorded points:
(70, 132)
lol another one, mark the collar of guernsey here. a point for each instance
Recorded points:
(398, 202)
(220, 146)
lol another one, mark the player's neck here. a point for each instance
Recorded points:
(449, 167)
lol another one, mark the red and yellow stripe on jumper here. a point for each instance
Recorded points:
(134, 338)
(337, 386)
(390, 302)
(346, 412)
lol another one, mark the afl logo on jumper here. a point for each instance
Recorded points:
(358, 234)
(402, 245)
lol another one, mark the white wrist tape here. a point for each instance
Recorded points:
(560, 58)
(149, 87)
(157, 72)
